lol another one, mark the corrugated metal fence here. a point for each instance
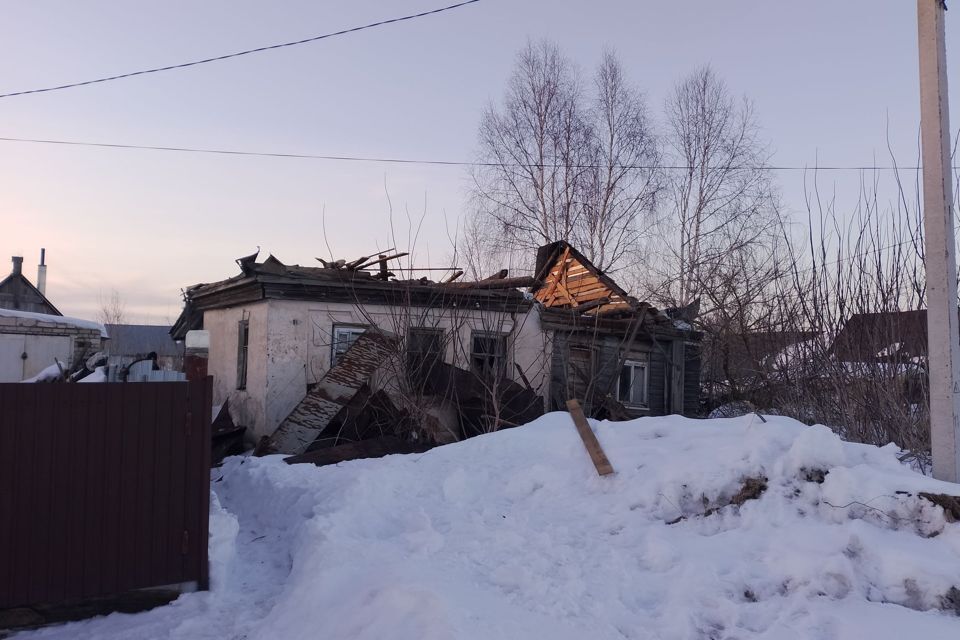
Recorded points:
(104, 488)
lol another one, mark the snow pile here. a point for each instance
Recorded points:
(99, 374)
(51, 373)
(728, 528)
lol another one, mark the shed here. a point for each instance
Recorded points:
(131, 342)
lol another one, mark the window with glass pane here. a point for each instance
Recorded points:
(488, 355)
(343, 338)
(424, 350)
(632, 384)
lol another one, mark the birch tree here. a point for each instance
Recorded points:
(720, 200)
(557, 165)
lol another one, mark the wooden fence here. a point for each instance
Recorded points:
(104, 489)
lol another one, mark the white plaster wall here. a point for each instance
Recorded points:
(247, 407)
(290, 347)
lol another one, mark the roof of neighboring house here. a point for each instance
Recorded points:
(741, 357)
(882, 337)
(17, 292)
(55, 319)
(141, 339)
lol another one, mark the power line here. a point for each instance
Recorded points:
(417, 161)
(240, 53)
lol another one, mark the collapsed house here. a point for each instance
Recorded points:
(319, 356)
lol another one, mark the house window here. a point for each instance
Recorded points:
(488, 355)
(632, 384)
(424, 351)
(243, 341)
(343, 338)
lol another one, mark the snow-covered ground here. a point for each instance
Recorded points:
(514, 536)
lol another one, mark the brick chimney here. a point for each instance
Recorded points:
(17, 265)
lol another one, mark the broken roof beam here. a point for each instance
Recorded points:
(588, 306)
(499, 275)
(332, 264)
(383, 258)
(518, 282)
(355, 264)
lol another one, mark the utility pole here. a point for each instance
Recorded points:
(940, 256)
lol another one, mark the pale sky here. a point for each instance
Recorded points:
(826, 76)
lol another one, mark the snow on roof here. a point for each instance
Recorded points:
(45, 317)
(513, 535)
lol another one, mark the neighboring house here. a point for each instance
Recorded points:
(18, 293)
(31, 342)
(34, 334)
(736, 363)
(889, 336)
(276, 330)
(129, 343)
(621, 357)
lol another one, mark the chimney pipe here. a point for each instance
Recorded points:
(17, 265)
(42, 272)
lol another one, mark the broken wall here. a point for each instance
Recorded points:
(290, 348)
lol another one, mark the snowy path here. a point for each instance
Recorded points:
(259, 566)
(514, 536)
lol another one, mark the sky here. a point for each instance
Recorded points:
(830, 81)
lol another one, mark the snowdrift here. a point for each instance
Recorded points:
(727, 528)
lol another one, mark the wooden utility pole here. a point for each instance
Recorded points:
(940, 255)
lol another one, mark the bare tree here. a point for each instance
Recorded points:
(556, 166)
(113, 309)
(721, 202)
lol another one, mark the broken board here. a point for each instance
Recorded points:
(334, 390)
(590, 442)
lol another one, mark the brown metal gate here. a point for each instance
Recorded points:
(104, 488)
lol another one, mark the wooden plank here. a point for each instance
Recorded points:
(589, 438)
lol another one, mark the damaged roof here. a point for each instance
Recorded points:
(571, 291)
(568, 279)
(345, 283)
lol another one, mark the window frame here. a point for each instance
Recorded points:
(421, 363)
(356, 330)
(634, 363)
(243, 352)
(499, 369)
